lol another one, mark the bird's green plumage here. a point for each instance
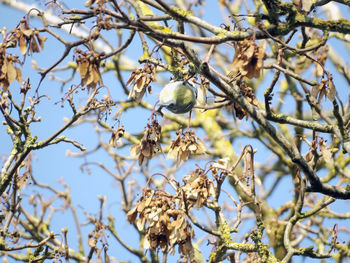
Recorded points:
(184, 96)
(178, 96)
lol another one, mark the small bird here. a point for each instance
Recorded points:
(178, 96)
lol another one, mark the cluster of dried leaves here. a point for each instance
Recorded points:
(248, 93)
(325, 151)
(8, 71)
(99, 235)
(197, 188)
(326, 88)
(248, 59)
(247, 63)
(141, 80)
(28, 39)
(160, 215)
(88, 65)
(105, 22)
(163, 216)
(149, 144)
(185, 144)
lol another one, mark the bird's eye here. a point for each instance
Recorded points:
(171, 106)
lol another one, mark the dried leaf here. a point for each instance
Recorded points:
(135, 150)
(89, 77)
(309, 156)
(88, 66)
(149, 144)
(326, 152)
(331, 91)
(22, 45)
(185, 144)
(248, 59)
(41, 40)
(165, 224)
(314, 92)
(18, 75)
(27, 32)
(131, 215)
(34, 47)
(141, 80)
(197, 188)
(11, 72)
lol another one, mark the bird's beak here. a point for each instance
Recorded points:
(159, 111)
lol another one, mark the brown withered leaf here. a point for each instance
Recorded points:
(22, 45)
(309, 156)
(319, 91)
(24, 28)
(18, 74)
(248, 93)
(248, 59)
(185, 144)
(88, 65)
(325, 150)
(141, 80)
(41, 40)
(326, 88)
(149, 144)
(132, 215)
(331, 91)
(83, 67)
(11, 71)
(28, 39)
(165, 224)
(33, 45)
(197, 188)
(181, 234)
(239, 112)
(8, 72)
